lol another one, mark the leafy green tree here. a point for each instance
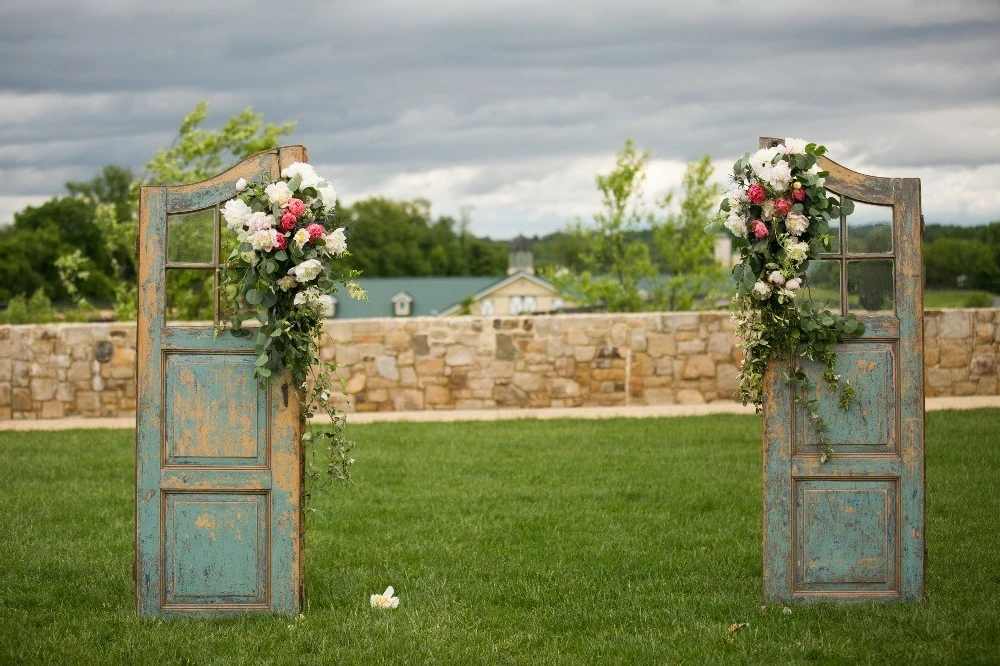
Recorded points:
(614, 261)
(688, 252)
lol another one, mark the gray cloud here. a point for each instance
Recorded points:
(475, 101)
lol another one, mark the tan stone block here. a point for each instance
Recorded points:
(699, 366)
(619, 334)
(376, 395)
(53, 410)
(386, 368)
(6, 369)
(661, 344)
(66, 392)
(459, 355)
(642, 365)
(122, 372)
(397, 338)
(983, 364)
(720, 344)
(665, 367)
(576, 338)
(987, 386)
(427, 366)
(5, 394)
(727, 378)
(528, 381)
(584, 354)
(357, 383)
(690, 347)
(563, 388)
(690, 397)
(984, 332)
(79, 371)
(680, 321)
(43, 390)
(966, 388)
(469, 403)
(939, 378)
(88, 401)
(407, 400)
(437, 395)
(932, 355)
(511, 396)
(955, 325)
(347, 354)
(6, 414)
(954, 354)
(123, 356)
(539, 399)
(565, 366)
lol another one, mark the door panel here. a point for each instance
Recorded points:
(218, 459)
(852, 528)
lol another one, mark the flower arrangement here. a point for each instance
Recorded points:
(282, 274)
(779, 215)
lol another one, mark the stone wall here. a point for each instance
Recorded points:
(50, 371)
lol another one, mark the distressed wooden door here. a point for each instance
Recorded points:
(218, 463)
(852, 528)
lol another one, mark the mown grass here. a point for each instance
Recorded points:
(522, 542)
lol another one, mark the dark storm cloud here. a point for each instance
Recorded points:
(478, 96)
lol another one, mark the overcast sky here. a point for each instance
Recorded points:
(510, 107)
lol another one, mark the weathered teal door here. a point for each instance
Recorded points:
(852, 528)
(218, 464)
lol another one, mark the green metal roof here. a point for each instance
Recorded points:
(431, 295)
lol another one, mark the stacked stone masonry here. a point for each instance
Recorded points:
(51, 371)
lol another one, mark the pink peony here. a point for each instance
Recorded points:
(799, 195)
(782, 206)
(759, 229)
(280, 243)
(287, 221)
(315, 231)
(295, 207)
(756, 193)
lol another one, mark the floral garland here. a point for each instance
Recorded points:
(779, 215)
(281, 273)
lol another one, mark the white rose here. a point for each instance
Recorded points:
(793, 284)
(286, 283)
(795, 146)
(328, 195)
(736, 196)
(336, 241)
(737, 225)
(761, 290)
(796, 251)
(241, 184)
(304, 171)
(325, 304)
(250, 257)
(260, 222)
(306, 271)
(796, 224)
(265, 239)
(301, 237)
(776, 278)
(760, 161)
(236, 213)
(767, 209)
(780, 177)
(278, 193)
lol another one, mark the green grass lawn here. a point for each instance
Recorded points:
(532, 542)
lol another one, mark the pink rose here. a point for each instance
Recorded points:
(287, 221)
(315, 231)
(782, 206)
(759, 229)
(295, 207)
(756, 193)
(799, 195)
(280, 243)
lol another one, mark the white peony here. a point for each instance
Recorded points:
(301, 237)
(260, 222)
(286, 283)
(761, 290)
(241, 184)
(306, 271)
(336, 241)
(265, 239)
(236, 213)
(737, 225)
(737, 196)
(796, 224)
(796, 251)
(304, 171)
(760, 161)
(386, 599)
(795, 146)
(327, 194)
(793, 284)
(776, 278)
(780, 177)
(250, 257)
(278, 193)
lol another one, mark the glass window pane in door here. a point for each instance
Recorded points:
(191, 237)
(822, 285)
(870, 286)
(869, 229)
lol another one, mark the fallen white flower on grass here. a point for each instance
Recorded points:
(786, 611)
(386, 599)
